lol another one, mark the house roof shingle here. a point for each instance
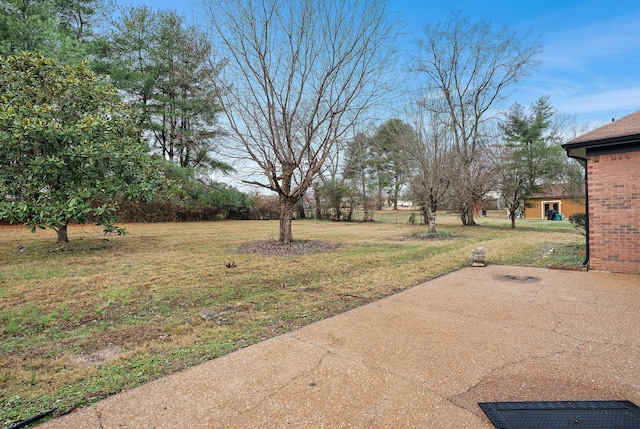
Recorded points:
(620, 135)
(557, 190)
(625, 126)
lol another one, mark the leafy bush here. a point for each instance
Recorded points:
(579, 221)
(338, 201)
(189, 198)
(230, 203)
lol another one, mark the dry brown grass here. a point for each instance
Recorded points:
(95, 316)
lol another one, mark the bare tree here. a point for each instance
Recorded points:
(432, 162)
(303, 73)
(471, 67)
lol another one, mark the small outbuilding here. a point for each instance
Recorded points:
(611, 157)
(556, 199)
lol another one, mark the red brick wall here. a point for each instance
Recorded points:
(614, 212)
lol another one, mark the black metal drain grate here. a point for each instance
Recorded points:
(563, 415)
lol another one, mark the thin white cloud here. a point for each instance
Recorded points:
(623, 100)
(591, 69)
(575, 48)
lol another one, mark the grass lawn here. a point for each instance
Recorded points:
(85, 320)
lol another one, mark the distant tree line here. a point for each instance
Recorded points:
(289, 89)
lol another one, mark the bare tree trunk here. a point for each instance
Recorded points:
(350, 213)
(301, 211)
(379, 203)
(395, 199)
(63, 237)
(513, 209)
(466, 215)
(432, 220)
(470, 220)
(316, 196)
(396, 191)
(286, 214)
(463, 214)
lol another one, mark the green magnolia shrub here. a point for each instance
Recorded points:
(70, 150)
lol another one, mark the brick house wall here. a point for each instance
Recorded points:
(614, 212)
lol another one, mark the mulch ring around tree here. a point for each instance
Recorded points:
(275, 248)
(427, 236)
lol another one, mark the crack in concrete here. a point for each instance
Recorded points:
(559, 322)
(512, 364)
(558, 318)
(99, 416)
(293, 380)
(418, 385)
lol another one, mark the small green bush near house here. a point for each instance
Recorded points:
(579, 221)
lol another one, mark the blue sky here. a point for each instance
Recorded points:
(590, 66)
(591, 61)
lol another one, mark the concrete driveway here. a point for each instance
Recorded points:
(422, 358)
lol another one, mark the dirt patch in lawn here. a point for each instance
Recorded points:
(106, 354)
